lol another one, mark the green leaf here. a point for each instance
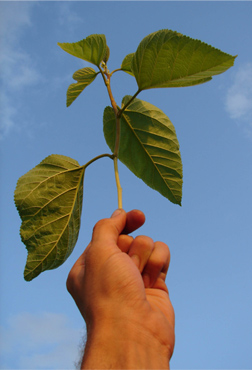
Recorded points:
(85, 77)
(106, 55)
(148, 146)
(126, 64)
(92, 49)
(49, 201)
(169, 59)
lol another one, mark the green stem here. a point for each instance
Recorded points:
(116, 70)
(116, 150)
(128, 103)
(98, 157)
(103, 76)
(118, 185)
(117, 139)
(106, 77)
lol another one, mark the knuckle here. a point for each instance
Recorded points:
(101, 223)
(70, 282)
(164, 247)
(146, 241)
(98, 224)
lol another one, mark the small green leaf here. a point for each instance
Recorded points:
(85, 74)
(92, 49)
(148, 146)
(169, 59)
(126, 64)
(49, 201)
(85, 77)
(106, 56)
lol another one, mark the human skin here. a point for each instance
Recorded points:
(118, 284)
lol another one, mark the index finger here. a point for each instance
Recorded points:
(134, 220)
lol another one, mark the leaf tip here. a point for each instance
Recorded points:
(28, 276)
(60, 44)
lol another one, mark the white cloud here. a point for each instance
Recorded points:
(40, 341)
(17, 68)
(13, 17)
(238, 102)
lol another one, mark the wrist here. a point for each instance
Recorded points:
(124, 345)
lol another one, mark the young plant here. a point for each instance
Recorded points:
(49, 197)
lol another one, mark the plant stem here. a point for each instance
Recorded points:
(98, 157)
(106, 77)
(116, 150)
(128, 103)
(118, 185)
(113, 103)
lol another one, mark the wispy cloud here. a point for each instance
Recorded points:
(17, 68)
(238, 101)
(19, 71)
(40, 341)
(67, 17)
(12, 18)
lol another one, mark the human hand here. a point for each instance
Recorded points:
(118, 283)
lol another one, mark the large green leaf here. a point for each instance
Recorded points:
(148, 146)
(92, 49)
(49, 201)
(169, 59)
(84, 77)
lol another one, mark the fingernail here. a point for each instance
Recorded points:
(116, 212)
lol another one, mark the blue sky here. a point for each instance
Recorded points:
(209, 237)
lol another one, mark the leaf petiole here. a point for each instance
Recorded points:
(98, 157)
(128, 103)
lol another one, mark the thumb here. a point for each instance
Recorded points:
(117, 212)
(107, 231)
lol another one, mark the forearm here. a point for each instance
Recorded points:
(117, 348)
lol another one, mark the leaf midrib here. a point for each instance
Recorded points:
(49, 177)
(145, 114)
(46, 204)
(149, 156)
(187, 76)
(60, 235)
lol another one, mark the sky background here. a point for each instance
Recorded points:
(209, 237)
